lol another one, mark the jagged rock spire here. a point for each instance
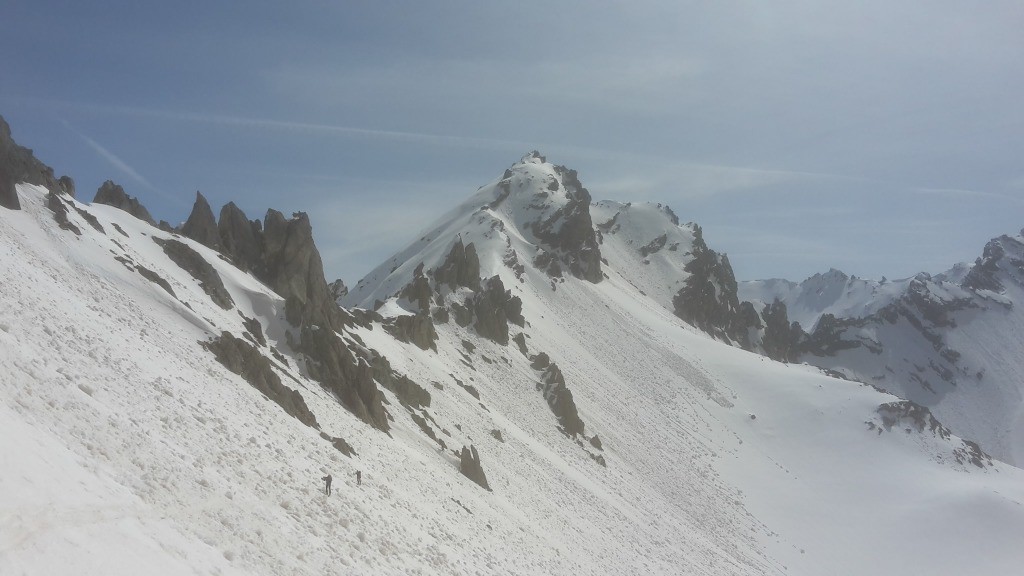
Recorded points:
(201, 225)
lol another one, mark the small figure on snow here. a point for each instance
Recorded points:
(328, 480)
(359, 478)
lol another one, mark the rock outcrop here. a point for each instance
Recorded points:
(781, 340)
(243, 359)
(708, 298)
(415, 328)
(201, 225)
(557, 394)
(338, 289)
(114, 195)
(194, 263)
(18, 165)
(569, 232)
(240, 239)
(494, 308)
(295, 271)
(460, 268)
(469, 466)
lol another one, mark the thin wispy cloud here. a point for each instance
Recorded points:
(112, 158)
(967, 194)
(289, 125)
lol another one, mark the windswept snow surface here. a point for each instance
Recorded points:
(126, 448)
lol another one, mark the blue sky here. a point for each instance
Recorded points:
(875, 137)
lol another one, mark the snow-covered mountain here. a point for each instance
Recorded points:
(172, 398)
(951, 342)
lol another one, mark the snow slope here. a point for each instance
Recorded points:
(136, 451)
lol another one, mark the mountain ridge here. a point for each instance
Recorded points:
(535, 422)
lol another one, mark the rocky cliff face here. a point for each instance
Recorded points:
(241, 239)
(281, 252)
(708, 298)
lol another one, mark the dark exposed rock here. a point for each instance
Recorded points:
(469, 390)
(936, 311)
(18, 165)
(339, 444)
(708, 297)
(982, 275)
(254, 328)
(827, 337)
(440, 315)
(671, 215)
(241, 239)
(241, 358)
(114, 195)
(781, 339)
(469, 466)
(201, 226)
(427, 429)
(193, 263)
(549, 263)
(654, 245)
(897, 413)
(88, 217)
(569, 231)
(418, 291)
(294, 270)
(913, 416)
(348, 376)
(417, 329)
(463, 314)
(155, 278)
(596, 442)
(520, 340)
(559, 399)
(511, 260)
(460, 268)
(338, 289)
(408, 392)
(67, 185)
(494, 308)
(497, 436)
(60, 212)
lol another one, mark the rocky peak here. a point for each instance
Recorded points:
(240, 239)
(114, 195)
(18, 164)
(201, 225)
(460, 268)
(568, 232)
(1002, 256)
(708, 298)
(295, 271)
